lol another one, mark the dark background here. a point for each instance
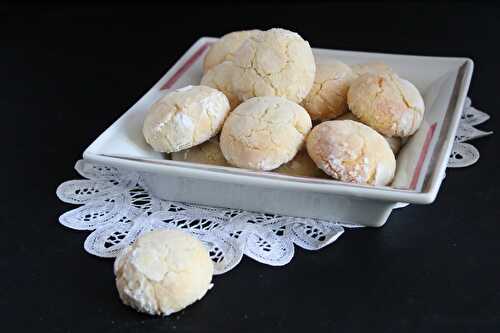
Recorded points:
(69, 71)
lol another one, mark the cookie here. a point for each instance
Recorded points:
(351, 152)
(276, 62)
(163, 271)
(219, 77)
(394, 142)
(206, 153)
(223, 49)
(185, 118)
(391, 105)
(328, 96)
(373, 67)
(263, 133)
(301, 166)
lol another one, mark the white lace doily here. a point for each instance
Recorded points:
(118, 208)
(464, 154)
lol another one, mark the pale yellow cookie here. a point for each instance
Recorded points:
(276, 62)
(389, 104)
(351, 152)
(206, 153)
(219, 77)
(370, 67)
(301, 166)
(328, 96)
(185, 118)
(163, 271)
(263, 133)
(223, 49)
(394, 142)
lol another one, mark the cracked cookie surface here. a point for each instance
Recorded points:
(394, 142)
(263, 133)
(384, 101)
(327, 98)
(276, 62)
(351, 152)
(163, 271)
(185, 118)
(223, 49)
(219, 77)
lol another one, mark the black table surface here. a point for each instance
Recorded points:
(69, 71)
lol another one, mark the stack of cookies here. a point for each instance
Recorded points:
(264, 103)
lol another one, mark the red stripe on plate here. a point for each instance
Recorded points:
(422, 156)
(185, 67)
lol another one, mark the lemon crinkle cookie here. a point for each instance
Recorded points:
(223, 49)
(302, 166)
(391, 105)
(263, 133)
(185, 118)
(163, 271)
(327, 98)
(206, 153)
(372, 67)
(276, 62)
(352, 152)
(394, 142)
(220, 78)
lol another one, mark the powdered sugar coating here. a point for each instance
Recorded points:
(184, 118)
(163, 272)
(394, 142)
(186, 88)
(352, 152)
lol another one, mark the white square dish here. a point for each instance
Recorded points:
(421, 164)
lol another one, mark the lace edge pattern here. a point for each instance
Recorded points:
(116, 207)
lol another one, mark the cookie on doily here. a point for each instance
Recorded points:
(163, 272)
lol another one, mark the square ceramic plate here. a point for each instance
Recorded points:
(421, 163)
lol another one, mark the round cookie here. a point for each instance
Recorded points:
(370, 67)
(389, 104)
(207, 153)
(276, 62)
(394, 142)
(219, 77)
(163, 272)
(224, 48)
(263, 133)
(352, 152)
(185, 118)
(302, 166)
(327, 98)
